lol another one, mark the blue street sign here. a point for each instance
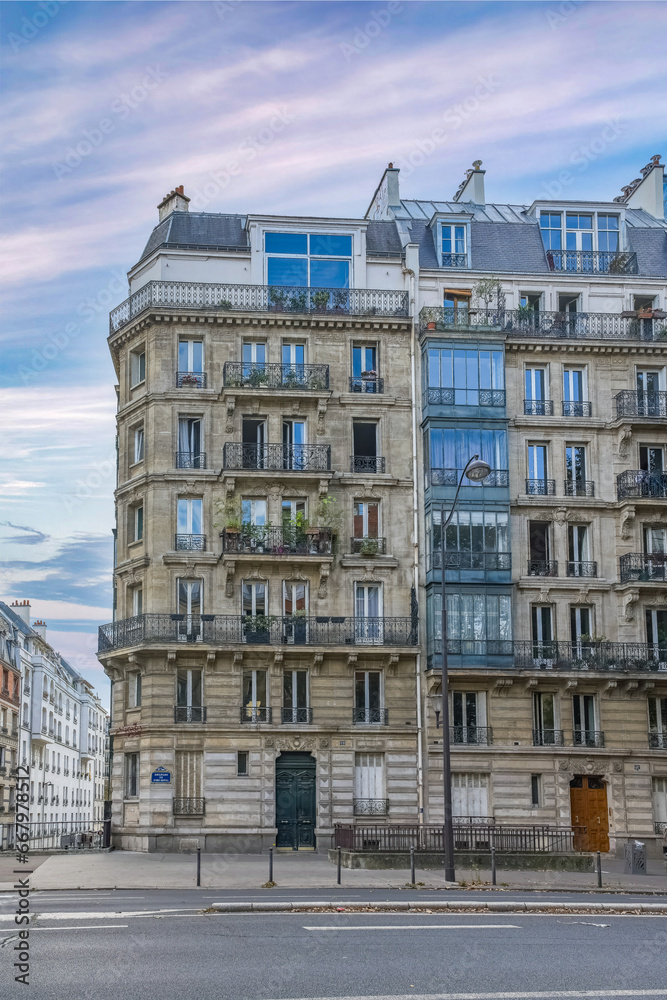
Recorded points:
(161, 776)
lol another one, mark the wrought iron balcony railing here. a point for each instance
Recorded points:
(526, 654)
(370, 716)
(579, 488)
(215, 297)
(190, 459)
(542, 567)
(450, 477)
(361, 383)
(533, 324)
(231, 630)
(659, 827)
(371, 807)
(285, 540)
(635, 484)
(366, 464)
(190, 380)
(586, 568)
(593, 261)
(468, 560)
(538, 407)
(368, 546)
(577, 408)
(296, 716)
(190, 543)
(255, 714)
(634, 403)
(189, 713)
(657, 741)
(465, 397)
(641, 567)
(277, 457)
(541, 487)
(189, 806)
(548, 738)
(481, 736)
(262, 375)
(454, 260)
(587, 738)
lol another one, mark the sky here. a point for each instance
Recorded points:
(279, 108)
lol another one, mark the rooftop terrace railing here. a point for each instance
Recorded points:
(533, 324)
(612, 262)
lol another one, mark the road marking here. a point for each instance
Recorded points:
(415, 927)
(84, 927)
(548, 995)
(101, 914)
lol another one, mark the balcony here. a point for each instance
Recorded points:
(657, 741)
(450, 477)
(577, 408)
(288, 378)
(614, 262)
(368, 546)
(543, 567)
(277, 457)
(588, 738)
(366, 465)
(190, 543)
(367, 382)
(638, 567)
(454, 260)
(192, 296)
(296, 716)
(370, 807)
(541, 487)
(189, 807)
(538, 407)
(548, 738)
(635, 484)
(634, 403)
(370, 717)
(465, 397)
(190, 380)
(579, 488)
(537, 325)
(586, 569)
(480, 736)
(255, 714)
(189, 713)
(190, 459)
(284, 540)
(486, 562)
(526, 654)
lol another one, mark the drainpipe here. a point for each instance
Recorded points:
(415, 530)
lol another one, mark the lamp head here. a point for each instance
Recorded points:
(477, 470)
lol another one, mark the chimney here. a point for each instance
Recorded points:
(22, 609)
(175, 201)
(472, 185)
(647, 191)
(40, 628)
(386, 197)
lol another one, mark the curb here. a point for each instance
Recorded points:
(460, 906)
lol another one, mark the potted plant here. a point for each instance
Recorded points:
(329, 514)
(225, 304)
(257, 378)
(297, 302)
(229, 511)
(257, 628)
(320, 300)
(277, 299)
(369, 547)
(430, 325)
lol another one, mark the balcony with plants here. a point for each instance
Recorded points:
(270, 377)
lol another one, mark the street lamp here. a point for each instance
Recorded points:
(475, 471)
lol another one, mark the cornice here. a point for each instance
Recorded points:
(526, 346)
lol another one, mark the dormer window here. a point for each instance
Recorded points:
(550, 224)
(315, 260)
(454, 246)
(608, 232)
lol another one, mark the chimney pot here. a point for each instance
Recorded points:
(175, 201)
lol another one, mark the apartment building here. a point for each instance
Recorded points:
(10, 699)
(264, 656)
(60, 730)
(543, 334)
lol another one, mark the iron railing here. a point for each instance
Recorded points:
(368, 546)
(189, 806)
(255, 714)
(366, 464)
(541, 487)
(296, 716)
(277, 457)
(262, 375)
(577, 408)
(587, 738)
(359, 383)
(642, 567)
(370, 716)
(450, 477)
(593, 261)
(481, 736)
(190, 543)
(370, 807)
(533, 324)
(285, 540)
(190, 459)
(635, 484)
(635, 403)
(465, 397)
(454, 260)
(54, 835)
(215, 297)
(657, 741)
(474, 835)
(467, 560)
(190, 380)
(189, 713)
(528, 654)
(578, 488)
(538, 407)
(548, 738)
(659, 827)
(587, 568)
(542, 567)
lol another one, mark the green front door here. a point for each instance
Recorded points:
(295, 801)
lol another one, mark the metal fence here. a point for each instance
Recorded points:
(471, 835)
(55, 836)
(533, 324)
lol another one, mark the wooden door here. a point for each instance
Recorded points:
(295, 801)
(588, 807)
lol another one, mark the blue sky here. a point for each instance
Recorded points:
(254, 107)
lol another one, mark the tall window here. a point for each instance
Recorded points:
(468, 714)
(365, 458)
(542, 629)
(189, 695)
(295, 697)
(254, 359)
(453, 245)
(450, 448)
(191, 356)
(578, 231)
(608, 232)
(137, 525)
(255, 696)
(295, 609)
(584, 719)
(189, 443)
(316, 260)
(254, 597)
(134, 682)
(473, 620)
(574, 392)
(581, 630)
(470, 537)
(137, 598)
(131, 775)
(545, 732)
(538, 468)
(364, 368)
(294, 356)
(366, 519)
(466, 377)
(294, 439)
(368, 697)
(137, 367)
(138, 444)
(188, 782)
(369, 784)
(368, 612)
(660, 802)
(550, 225)
(188, 522)
(189, 609)
(651, 459)
(578, 551)
(657, 723)
(537, 392)
(575, 469)
(656, 632)
(470, 795)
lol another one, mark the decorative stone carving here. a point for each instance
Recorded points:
(324, 577)
(627, 518)
(231, 406)
(295, 742)
(321, 412)
(317, 664)
(618, 766)
(560, 515)
(624, 439)
(324, 744)
(630, 599)
(563, 765)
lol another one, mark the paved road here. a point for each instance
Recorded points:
(193, 956)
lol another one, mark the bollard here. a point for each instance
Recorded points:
(270, 864)
(599, 869)
(493, 866)
(412, 866)
(199, 866)
(338, 874)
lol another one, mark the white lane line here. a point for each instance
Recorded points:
(84, 927)
(548, 995)
(100, 914)
(415, 927)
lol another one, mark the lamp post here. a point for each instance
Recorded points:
(475, 470)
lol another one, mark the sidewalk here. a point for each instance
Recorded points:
(128, 870)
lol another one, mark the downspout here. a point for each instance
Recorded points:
(415, 533)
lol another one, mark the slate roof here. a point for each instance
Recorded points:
(382, 237)
(650, 246)
(15, 619)
(199, 229)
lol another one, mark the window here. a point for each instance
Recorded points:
(137, 367)
(253, 512)
(189, 695)
(365, 458)
(254, 597)
(651, 459)
(255, 690)
(242, 762)
(539, 543)
(254, 360)
(253, 435)
(317, 260)
(190, 357)
(584, 717)
(472, 539)
(137, 598)
(545, 731)
(536, 402)
(473, 620)
(581, 629)
(468, 715)
(657, 723)
(470, 796)
(135, 690)
(660, 803)
(575, 392)
(295, 608)
(454, 246)
(189, 523)
(655, 540)
(190, 455)
(293, 511)
(466, 377)
(369, 785)
(137, 523)
(138, 444)
(530, 300)
(293, 357)
(449, 448)
(536, 790)
(575, 471)
(131, 775)
(650, 383)
(368, 612)
(656, 632)
(364, 368)
(550, 225)
(578, 231)
(294, 438)
(366, 519)
(190, 606)
(577, 551)
(568, 305)
(456, 305)
(295, 697)
(368, 697)
(608, 232)
(542, 629)
(538, 470)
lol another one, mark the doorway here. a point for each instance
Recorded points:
(588, 807)
(295, 801)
